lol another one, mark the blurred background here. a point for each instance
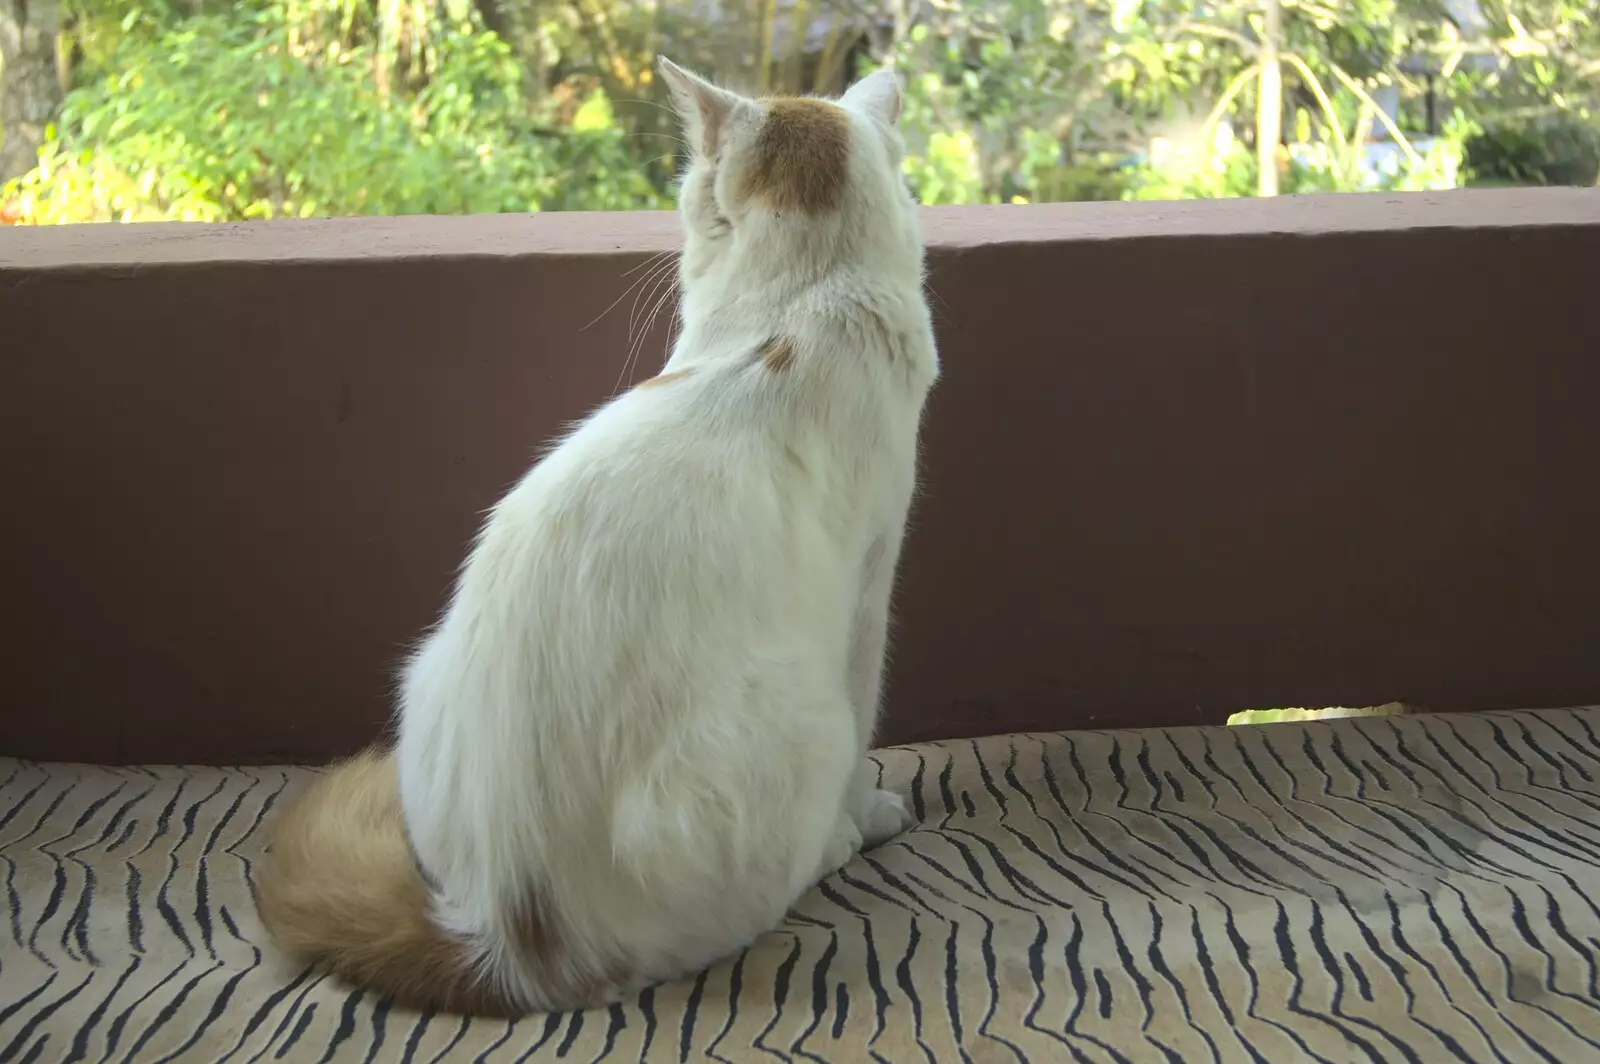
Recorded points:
(210, 111)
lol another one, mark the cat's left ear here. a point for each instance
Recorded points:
(702, 106)
(877, 94)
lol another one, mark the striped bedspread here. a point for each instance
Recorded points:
(1408, 889)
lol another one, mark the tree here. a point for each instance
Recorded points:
(1527, 73)
(1344, 49)
(261, 114)
(1028, 99)
(30, 87)
(1269, 106)
(225, 109)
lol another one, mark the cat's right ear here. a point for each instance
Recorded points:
(702, 106)
(878, 94)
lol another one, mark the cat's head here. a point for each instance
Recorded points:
(819, 178)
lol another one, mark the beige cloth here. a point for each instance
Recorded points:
(1411, 889)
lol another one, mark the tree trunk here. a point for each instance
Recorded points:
(494, 19)
(30, 88)
(1269, 102)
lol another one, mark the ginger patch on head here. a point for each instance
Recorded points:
(801, 156)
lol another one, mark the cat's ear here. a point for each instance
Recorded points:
(877, 94)
(702, 106)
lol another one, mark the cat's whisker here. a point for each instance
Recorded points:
(675, 326)
(928, 289)
(650, 276)
(636, 335)
(647, 103)
(664, 136)
(655, 274)
(653, 259)
(670, 292)
(646, 293)
(643, 295)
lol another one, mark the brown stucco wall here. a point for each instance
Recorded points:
(1185, 458)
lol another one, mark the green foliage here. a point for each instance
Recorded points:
(239, 109)
(1228, 168)
(1113, 92)
(946, 170)
(1557, 150)
(1224, 168)
(1090, 180)
(225, 118)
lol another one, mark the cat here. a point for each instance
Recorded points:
(639, 731)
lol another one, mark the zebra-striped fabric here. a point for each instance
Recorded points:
(1409, 889)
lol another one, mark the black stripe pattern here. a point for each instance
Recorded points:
(1418, 890)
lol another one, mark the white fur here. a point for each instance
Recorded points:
(653, 690)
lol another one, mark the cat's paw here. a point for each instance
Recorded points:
(884, 817)
(844, 845)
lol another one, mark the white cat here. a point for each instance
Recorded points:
(639, 732)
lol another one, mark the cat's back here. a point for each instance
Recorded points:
(679, 447)
(684, 511)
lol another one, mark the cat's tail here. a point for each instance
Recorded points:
(340, 885)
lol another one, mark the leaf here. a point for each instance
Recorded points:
(1123, 12)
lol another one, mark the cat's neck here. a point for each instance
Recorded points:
(725, 316)
(790, 281)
